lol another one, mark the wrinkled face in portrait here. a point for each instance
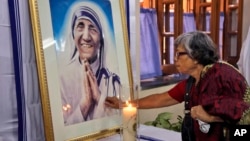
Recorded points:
(86, 38)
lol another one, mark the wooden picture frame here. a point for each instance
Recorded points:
(49, 31)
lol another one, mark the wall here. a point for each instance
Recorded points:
(151, 114)
(147, 3)
(134, 26)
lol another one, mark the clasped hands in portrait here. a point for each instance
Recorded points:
(92, 93)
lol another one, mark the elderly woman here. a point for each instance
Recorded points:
(216, 91)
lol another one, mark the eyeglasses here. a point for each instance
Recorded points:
(178, 54)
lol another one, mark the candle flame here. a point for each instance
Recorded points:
(66, 107)
(128, 104)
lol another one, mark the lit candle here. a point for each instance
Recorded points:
(129, 114)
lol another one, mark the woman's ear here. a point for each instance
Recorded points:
(195, 62)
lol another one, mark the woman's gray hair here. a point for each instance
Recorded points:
(199, 46)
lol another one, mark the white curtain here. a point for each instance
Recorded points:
(8, 106)
(18, 76)
(243, 62)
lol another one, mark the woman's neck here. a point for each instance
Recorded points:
(197, 73)
(95, 65)
(92, 60)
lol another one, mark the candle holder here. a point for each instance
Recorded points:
(129, 113)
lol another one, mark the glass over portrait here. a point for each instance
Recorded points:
(80, 54)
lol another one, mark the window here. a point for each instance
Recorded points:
(221, 19)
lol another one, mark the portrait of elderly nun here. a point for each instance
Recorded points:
(87, 63)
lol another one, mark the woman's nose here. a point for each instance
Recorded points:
(85, 34)
(175, 58)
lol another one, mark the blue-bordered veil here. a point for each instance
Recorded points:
(107, 50)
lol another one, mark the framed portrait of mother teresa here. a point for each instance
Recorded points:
(82, 57)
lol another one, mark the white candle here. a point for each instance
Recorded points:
(129, 114)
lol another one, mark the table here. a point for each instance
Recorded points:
(150, 133)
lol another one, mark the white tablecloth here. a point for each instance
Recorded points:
(151, 133)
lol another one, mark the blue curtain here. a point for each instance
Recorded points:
(188, 22)
(221, 32)
(150, 65)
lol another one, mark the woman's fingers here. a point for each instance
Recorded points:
(112, 102)
(198, 112)
(92, 82)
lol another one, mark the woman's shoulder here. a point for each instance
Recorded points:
(225, 64)
(221, 69)
(107, 72)
(227, 70)
(72, 70)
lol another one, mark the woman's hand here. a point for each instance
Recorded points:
(91, 94)
(112, 102)
(198, 112)
(92, 82)
(86, 102)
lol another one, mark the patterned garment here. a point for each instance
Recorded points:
(220, 91)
